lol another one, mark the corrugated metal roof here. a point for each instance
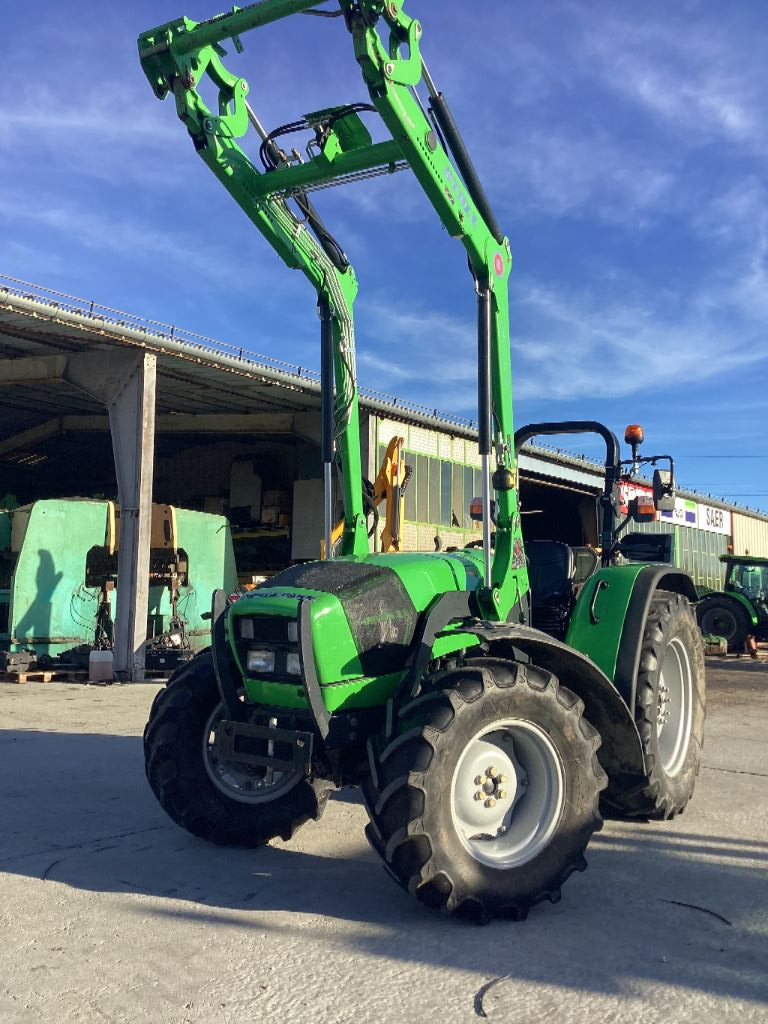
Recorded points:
(195, 373)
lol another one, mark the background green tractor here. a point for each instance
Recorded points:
(485, 702)
(741, 608)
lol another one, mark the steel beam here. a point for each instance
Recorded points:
(32, 436)
(32, 369)
(194, 423)
(125, 383)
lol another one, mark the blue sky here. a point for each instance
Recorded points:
(624, 147)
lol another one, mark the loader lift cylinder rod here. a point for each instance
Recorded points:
(261, 131)
(484, 415)
(327, 423)
(466, 168)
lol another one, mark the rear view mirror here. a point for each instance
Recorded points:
(663, 490)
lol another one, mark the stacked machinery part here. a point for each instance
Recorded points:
(59, 587)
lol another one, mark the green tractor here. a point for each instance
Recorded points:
(741, 608)
(487, 705)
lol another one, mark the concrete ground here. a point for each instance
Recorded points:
(109, 912)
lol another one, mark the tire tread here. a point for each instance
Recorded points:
(401, 835)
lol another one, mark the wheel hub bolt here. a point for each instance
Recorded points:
(502, 794)
(502, 778)
(490, 802)
(492, 772)
(480, 780)
(478, 795)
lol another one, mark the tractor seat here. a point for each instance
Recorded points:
(551, 573)
(551, 569)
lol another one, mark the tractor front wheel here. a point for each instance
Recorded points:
(228, 804)
(485, 797)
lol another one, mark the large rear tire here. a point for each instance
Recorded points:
(720, 616)
(669, 711)
(226, 804)
(484, 799)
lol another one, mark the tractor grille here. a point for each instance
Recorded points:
(270, 633)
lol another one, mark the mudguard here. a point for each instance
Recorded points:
(609, 618)
(651, 579)
(621, 753)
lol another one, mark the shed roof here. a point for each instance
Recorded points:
(197, 376)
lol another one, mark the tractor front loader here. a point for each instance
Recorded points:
(481, 742)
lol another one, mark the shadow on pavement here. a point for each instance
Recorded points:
(740, 664)
(659, 905)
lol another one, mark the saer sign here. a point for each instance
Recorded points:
(714, 520)
(703, 517)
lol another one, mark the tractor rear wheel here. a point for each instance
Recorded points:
(484, 799)
(669, 711)
(227, 804)
(720, 616)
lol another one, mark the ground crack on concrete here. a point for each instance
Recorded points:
(704, 910)
(50, 868)
(81, 846)
(734, 771)
(482, 992)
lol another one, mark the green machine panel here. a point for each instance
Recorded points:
(52, 551)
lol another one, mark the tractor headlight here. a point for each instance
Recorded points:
(260, 661)
(293, 632)
(292, 664)
(246, 629)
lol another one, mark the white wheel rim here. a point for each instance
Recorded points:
(247, 785)
(674, 706)
(517, 770)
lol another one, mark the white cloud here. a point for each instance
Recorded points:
(170, 251)
(557, 172)
(601, 347)
(701, 78)
(580, 344)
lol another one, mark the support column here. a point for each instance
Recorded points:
(125, 383)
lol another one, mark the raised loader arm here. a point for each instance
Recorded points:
(453, 188)
(176, 56)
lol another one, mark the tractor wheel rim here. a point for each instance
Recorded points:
(507, 793)
(246, 784)
(720, 622)
(674, 706)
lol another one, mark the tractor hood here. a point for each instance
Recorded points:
(363, 613)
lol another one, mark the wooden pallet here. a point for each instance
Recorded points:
(45, 676)
(73, 676)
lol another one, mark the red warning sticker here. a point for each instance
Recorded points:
(498, 264)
